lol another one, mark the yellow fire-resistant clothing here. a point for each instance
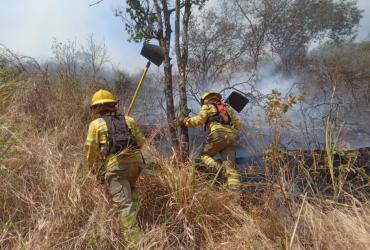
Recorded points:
(97, 138)
(223, 143)
(120, 181)
(221, 140)
(120, 173)
(209, 110)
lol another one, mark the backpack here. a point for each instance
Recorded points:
(222, 116)
(119, 135)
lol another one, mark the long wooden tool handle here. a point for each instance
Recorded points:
(138, 87)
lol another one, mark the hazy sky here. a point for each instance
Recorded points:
(29, 26)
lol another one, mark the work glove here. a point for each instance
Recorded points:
(186, 120)
(179, 122)
(185, 111)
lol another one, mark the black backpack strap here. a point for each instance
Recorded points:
(119, 135)
(108, 120)
(123, 118)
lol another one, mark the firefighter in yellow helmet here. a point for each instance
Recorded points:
(221, 123)
(113, 153)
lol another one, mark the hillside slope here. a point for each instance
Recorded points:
(49, 200)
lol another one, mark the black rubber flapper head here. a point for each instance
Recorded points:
(237, 101)
(153, 53)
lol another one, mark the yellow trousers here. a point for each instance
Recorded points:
(120, 180)
(223, 143)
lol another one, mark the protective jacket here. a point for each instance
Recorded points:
(97, 139)
(210, 110)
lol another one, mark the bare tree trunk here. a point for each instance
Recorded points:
(168, 92)
(182, 59)
(184, 134)
(165, 42)
(141, 27)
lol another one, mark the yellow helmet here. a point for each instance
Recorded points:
(208, 95)
(102, 96)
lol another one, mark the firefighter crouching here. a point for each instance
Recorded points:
(115, 140)
(221, 123)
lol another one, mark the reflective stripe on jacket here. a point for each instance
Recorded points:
(97, 138)
(209, 110)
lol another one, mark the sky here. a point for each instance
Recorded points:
(28, 27)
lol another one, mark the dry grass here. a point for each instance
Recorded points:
(50, 201)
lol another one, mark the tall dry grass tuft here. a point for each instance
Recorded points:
(190, 213)
(50, 201)
(336, 227)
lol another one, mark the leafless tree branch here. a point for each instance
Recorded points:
(96, 3)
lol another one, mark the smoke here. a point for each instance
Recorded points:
(270, 78)
(304, 124)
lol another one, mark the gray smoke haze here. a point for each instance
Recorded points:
(307, 119)
(305, 122)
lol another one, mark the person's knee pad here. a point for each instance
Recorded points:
(233, 177)
(209, 161)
